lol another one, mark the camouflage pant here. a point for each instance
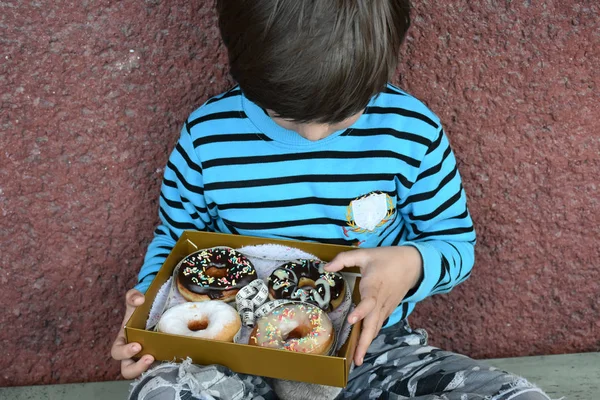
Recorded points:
(399, 365)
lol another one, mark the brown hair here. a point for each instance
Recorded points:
(313, 60)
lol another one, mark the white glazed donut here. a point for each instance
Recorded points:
(214, 320)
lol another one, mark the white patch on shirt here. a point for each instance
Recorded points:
(369, 211)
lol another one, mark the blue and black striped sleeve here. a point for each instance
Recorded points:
(181, 207)
(438, 221)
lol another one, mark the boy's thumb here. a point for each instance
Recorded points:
(134, 298)
(353, 258)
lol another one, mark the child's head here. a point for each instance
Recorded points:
(313, 60)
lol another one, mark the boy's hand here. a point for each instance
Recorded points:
(388, 273)
(122, 351)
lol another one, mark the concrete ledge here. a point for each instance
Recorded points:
(575, 376)
(116, 390)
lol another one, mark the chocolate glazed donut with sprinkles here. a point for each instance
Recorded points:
(214, 274)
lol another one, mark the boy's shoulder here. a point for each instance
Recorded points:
(226, 105)
(397, 96)
(401, 107)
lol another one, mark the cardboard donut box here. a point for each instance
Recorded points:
(324, 370)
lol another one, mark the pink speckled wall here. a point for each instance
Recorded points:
(93, 95)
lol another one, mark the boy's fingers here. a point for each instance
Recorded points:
(353, 258)
(369, 332)
(131, 369)
(364, 308)
(119, 341)
(122, 351)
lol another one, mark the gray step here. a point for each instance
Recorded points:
(575, 376)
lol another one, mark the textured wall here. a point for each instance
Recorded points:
(93, 94)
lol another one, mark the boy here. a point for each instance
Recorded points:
(314, 144)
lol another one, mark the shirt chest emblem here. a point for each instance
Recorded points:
(369, 212)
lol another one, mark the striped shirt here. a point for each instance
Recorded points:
(390, 179)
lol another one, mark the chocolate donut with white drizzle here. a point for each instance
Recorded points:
(307, 281)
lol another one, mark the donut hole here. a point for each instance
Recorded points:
(304, 282)
(216, 272)
(298, 333)
(198, 325)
